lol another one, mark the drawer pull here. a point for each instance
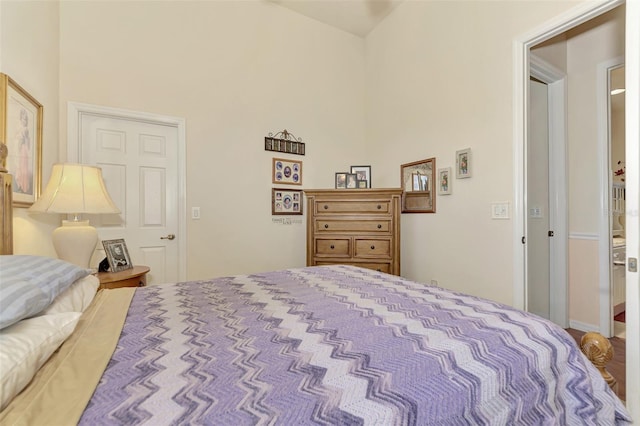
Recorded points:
(379, 206)
(379, 226)
(326, 207)
(332, 246)
(373, 247)
(326, 226)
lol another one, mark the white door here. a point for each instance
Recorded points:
(546, 194)
(140, 165)
(538, 250)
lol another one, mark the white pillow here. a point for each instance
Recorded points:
(26, 345)
(76, 298)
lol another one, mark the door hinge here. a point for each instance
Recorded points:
(524, 240)
(550, 233)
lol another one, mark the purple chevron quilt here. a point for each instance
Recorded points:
(342, 345)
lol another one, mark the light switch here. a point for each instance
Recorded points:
(499, 210)
(195, 213)
(535, 212)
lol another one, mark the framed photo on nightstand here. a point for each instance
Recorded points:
(117, 255)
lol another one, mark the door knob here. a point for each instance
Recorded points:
(168, 237)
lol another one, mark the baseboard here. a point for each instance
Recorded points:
(583, 326)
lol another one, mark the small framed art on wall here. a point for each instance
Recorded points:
(286, 201)
(288, 172)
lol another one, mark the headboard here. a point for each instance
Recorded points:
(6, 214)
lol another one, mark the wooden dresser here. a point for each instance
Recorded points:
(354, 226)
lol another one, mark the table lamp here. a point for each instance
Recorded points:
(75, 189)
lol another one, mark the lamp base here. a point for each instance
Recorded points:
(75, 242)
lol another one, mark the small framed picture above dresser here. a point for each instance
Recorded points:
(363, 176)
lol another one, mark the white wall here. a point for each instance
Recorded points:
(235, 71)
(439, 79)
(29, 55)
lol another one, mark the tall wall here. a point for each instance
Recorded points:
(432, 78)
(440, 79)
(29, 54)
(235, 71)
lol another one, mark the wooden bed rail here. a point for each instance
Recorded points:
(599, 351)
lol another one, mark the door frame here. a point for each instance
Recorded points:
(521, 65)
(632, 218)
(605, 246)
(575, 16)
(556, 82)
(76, 110)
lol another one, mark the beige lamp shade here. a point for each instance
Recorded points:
(75, 189)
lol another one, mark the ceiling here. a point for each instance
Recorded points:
(355, 16)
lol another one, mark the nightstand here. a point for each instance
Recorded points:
(134, 277)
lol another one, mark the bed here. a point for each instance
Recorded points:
(316, 345)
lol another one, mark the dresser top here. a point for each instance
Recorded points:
(346, 192)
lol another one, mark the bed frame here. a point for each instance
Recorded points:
(594, 345)
(6, 213)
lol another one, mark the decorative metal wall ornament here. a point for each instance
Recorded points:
(284, 141)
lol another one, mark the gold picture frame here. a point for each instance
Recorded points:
(287, 172)
(21, 131)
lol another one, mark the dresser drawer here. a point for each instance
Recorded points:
(333, 247)
(352, 207)
(372, 248)
(330, 225)
(380, 267)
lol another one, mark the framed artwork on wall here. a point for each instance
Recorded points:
(463, 163)
(288, 172)
(286, 201)
(417, 181)
(285, 146)
(444, 181)
(21, 130)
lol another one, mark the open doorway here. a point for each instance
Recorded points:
(577, 51)
(522, 46)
